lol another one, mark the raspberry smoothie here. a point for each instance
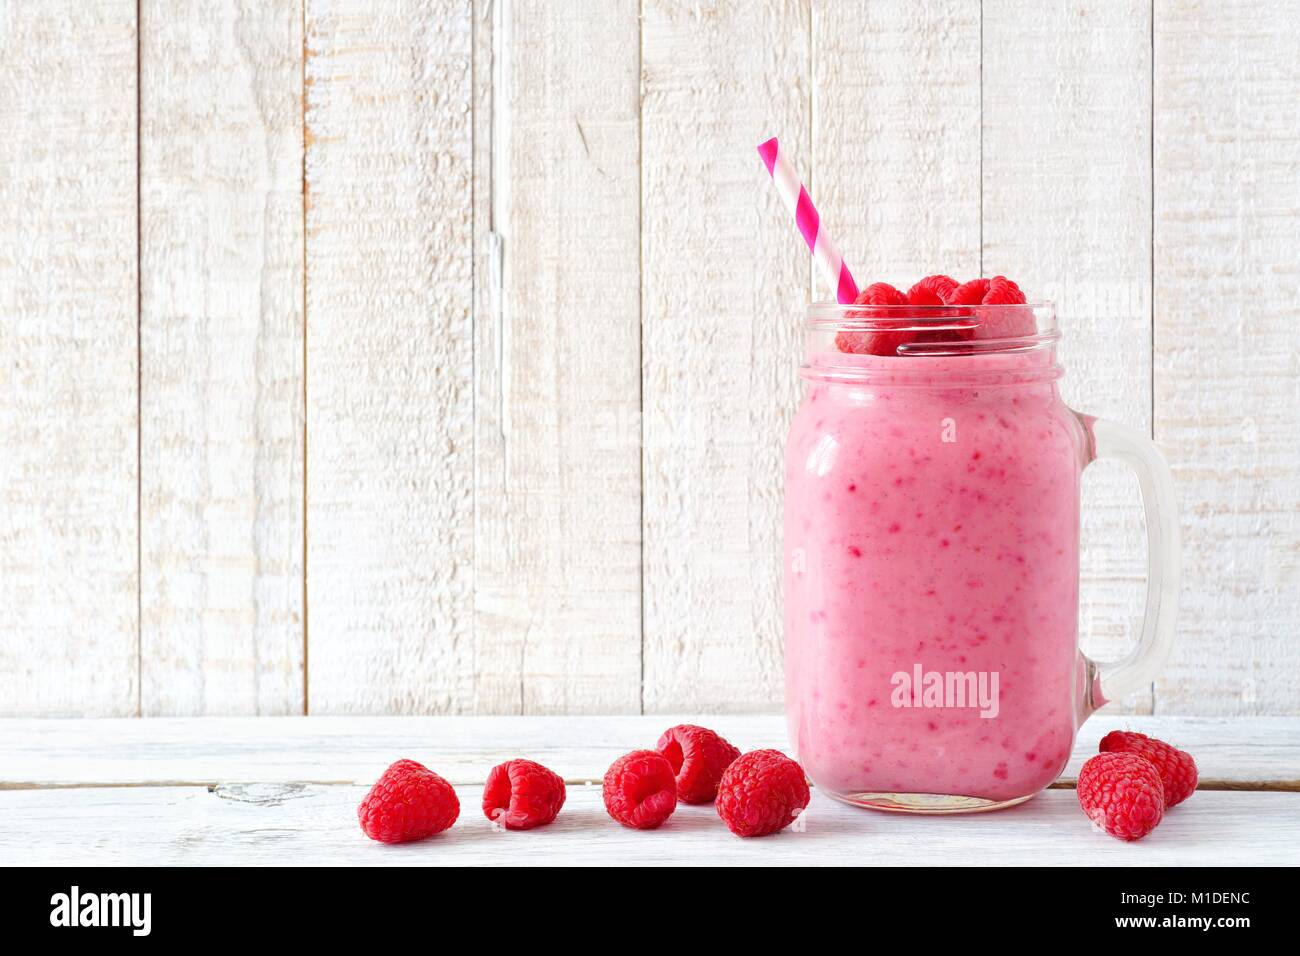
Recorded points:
(931, 577)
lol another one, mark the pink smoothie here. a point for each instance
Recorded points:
(932, 528)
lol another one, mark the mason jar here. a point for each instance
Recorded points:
(932, 558)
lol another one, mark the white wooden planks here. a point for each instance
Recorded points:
(1227, 366)
(390, 454)
(249, 791)
(1067, 213)
(896, 137)
(557, 555)
(68, 415)
(724, 286)
(1244, 752)
(482, 209)
(221, 328)
(317, 826)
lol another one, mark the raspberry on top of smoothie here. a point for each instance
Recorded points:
(936, 290)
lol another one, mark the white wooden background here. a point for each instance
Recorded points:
(435, 357)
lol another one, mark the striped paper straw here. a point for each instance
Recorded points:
(796, 199)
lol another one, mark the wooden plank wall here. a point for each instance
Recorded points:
(1067, 208)
(436, 357)
(69, 373)
(221, 327)
(557, 436)
(390, 418)
(1227, 366)
(723, 286)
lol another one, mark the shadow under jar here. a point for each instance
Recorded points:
(932, 559)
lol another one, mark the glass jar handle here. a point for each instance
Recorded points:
(1112, 680)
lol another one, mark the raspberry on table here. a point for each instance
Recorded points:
(521, 794)
(761, 792)
(1176, 767)
(409, 802)
(1122, 794)
(873, 342)
(640, 789)
(698, 757)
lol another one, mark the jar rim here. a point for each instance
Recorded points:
(826, 313)
(990, 329)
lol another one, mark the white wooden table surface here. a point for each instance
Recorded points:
(284, 790)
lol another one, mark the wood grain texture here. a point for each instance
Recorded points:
(432, 435)
(1227, 373)
(1067, 213)
(1245, 752)
(896, 137)
(264, 825)
(68, 359)
(221, 329)
(557, 556)
(258, 790)
(724, 286)
(389, 357)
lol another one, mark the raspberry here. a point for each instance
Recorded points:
(761, 793)
(698, 756)
(409, 802)
(880, 293)
(932, 290)
(873, 342)
(1002, 291)
(1122, 794)
(640, 789)
(1176, 767)
(521, 794)
(968, 293)
(995, 323)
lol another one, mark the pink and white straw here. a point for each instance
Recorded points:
(796, 199)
